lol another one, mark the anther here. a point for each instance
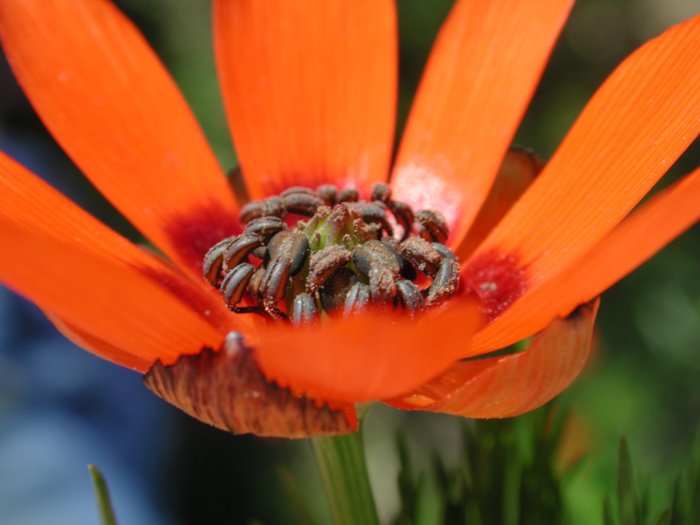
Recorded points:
(260, 252)
(292, 246)
(379, 262)
(272, 206)
(234, 284)
(404, 216)
(274, 283)
(405, 268)
(324, 263)
(373, 213)
(295, 190)
(410, 296)
(239, 249)
(357, 298)
(327, 193)
(381, 192)
(445, 282)
(253, 289)
(212, 265)
(302, 203)
(433, 225)
(265, 227)
(335, 290)
(443, 250)
(382, 285)
(375, 254)
(421, 255)
(303, 309)
(348, 195)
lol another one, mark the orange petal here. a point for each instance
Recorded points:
(513, 384)
(479, 79)
(97, 283)
(102, 295)
(637, 124)
(24, 199)
(112, 106)
(518, 170)
(98, 346)
(641, 235)
(309, 89)
(368, 356)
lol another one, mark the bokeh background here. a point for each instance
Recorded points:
(61, 408)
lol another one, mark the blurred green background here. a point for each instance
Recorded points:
(644, 382)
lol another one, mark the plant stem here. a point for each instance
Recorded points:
(344, 471)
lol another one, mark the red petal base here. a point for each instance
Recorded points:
(226, 389)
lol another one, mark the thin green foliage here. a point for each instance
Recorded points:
(507, 475)
(104, 502)
(628, 504)
(510, 473)
(633, 502)
(411, 486)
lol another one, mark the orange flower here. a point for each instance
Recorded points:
(310, 91)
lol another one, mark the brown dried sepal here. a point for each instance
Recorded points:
(226, 389)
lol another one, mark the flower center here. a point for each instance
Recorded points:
(349, 254)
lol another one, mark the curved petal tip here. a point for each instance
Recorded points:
(513, 384)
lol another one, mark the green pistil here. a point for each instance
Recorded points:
(341, 226)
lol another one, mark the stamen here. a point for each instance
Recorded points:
(410, 296)
(381, 192)
(434, 226)
(235, 283)
(265, 227)
(349, 195)
(303, 309)
(445, 281)
(324, 264)
(421, 255)
(345, 257)
(357, 298)
(239, 249)
(380, 264)
(270, 207)
(328, 194)
(301, 201)
(212, 266)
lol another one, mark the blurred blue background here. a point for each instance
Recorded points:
(61, 408)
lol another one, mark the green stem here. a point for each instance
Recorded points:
(104, 504)
(344, 471)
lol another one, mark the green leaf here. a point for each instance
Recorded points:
(625, 490)
(298, 504)
(694, 482)
(665, 518)
(428, 509)
(511, 493)
(643, 500)
(572, 470)
(675, 511)
(408, 486)
(608, 518)
(104, 503)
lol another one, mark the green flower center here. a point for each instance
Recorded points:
(349, 254)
